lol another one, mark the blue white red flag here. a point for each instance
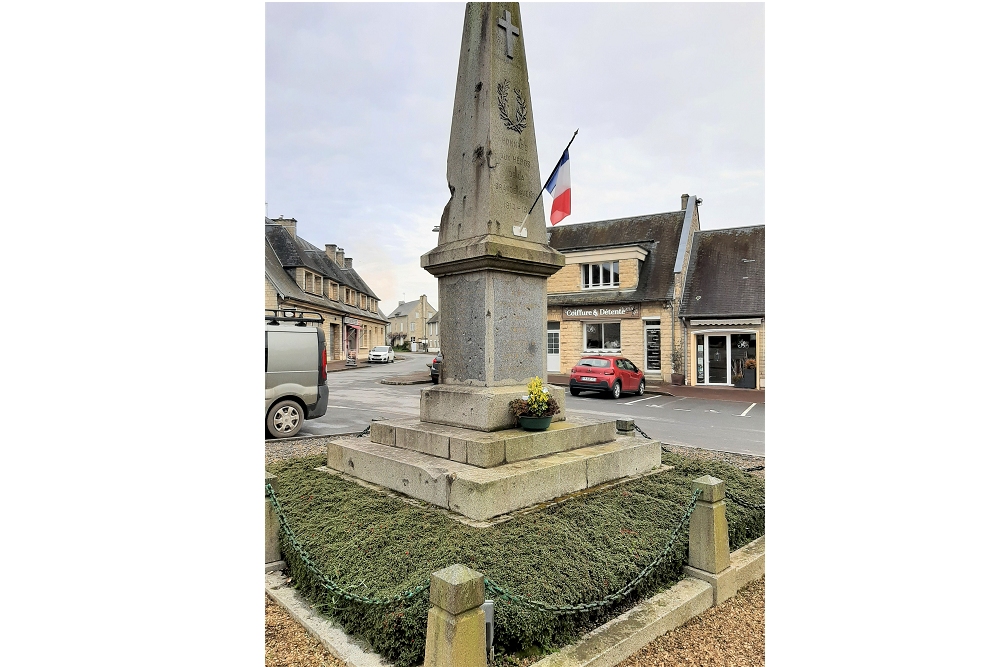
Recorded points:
(558, 187)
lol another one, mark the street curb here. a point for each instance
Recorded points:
(622, 637)
(391, 381)
(345, 647)
(606, 646)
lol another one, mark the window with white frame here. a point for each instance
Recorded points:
(596, 276)
(602, 336)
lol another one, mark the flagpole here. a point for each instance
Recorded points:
(547, 179)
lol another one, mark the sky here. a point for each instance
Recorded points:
(668, 98)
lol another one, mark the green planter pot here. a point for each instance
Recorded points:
(535, 423)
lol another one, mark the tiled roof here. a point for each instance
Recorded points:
(293, 251)
(289, 289)
(659, 234)
(726, 274)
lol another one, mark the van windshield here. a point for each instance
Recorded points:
(596, 363)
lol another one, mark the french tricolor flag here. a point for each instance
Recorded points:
(558, 187)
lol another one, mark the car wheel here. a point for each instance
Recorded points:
(284, 419)
(574, 391)
(616, 390)
(642, 388)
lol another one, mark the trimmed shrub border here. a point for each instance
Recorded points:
(576, 552)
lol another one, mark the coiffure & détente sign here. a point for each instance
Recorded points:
(590, 312)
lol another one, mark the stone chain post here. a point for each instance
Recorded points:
(456, 622)
(271, 551)
(708, 545)
(625, 427)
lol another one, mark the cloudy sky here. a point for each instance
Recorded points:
(668, 98)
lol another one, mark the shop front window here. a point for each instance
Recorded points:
(603, 336)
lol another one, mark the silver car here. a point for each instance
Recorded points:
(295, 386)
(382, 354)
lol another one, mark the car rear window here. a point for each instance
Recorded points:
(596, 363)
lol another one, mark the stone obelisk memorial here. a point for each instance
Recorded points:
(465, 452)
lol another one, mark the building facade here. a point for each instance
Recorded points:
(620, 290)
(723, 308)
(408, 322)
(299, 275)
(434, 333)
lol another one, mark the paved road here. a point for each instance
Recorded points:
(357, 396)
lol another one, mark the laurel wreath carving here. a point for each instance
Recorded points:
(520, 113)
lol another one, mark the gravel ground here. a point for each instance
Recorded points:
(730, 635)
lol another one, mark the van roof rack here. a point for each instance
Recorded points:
(300, 317)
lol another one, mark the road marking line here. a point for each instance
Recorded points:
(748, 410)
(648, 398)
(683, 409)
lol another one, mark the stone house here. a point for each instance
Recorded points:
(408, 322)
(620, 290)
(300, 275)
(434, 333)
(722, 310)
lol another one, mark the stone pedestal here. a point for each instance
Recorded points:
(272, 553)
(456, 623)
(708, 545)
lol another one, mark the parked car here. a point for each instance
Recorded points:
(436, 368)
(295, 386)
(606, 373)
(382, 354)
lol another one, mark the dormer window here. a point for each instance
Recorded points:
(597, 276)
(333, 290)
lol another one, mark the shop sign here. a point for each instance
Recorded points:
(351, 320)
(630, 310)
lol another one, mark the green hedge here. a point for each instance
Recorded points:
(577, 551)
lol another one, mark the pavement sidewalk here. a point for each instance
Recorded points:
(711, 393)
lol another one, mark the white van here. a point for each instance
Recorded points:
(295, 386)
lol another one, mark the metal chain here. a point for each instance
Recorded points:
(640, 431)
(325, 581)
(368, 429)
(500, 593)
(743, 503)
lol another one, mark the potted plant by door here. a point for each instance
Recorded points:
(534, 411)
(749, 378)
(677, 361)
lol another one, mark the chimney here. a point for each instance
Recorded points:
(684, 202)
(340, 257)
(287, 223)
(331, 252)
(347, 262)
(401, 303)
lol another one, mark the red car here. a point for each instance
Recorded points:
(606, 373)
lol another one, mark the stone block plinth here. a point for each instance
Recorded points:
(484, 493)
(479, 408)
(485, 449)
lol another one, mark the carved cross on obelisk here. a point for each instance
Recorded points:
(512, 32)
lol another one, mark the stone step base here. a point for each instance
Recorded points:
(484, 493)
(491, 449)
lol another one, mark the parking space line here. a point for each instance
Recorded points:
(748, 410)
(683, 409)
(648, 398)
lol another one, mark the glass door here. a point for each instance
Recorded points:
(552, 348)
(653, 347)
(718, 359)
